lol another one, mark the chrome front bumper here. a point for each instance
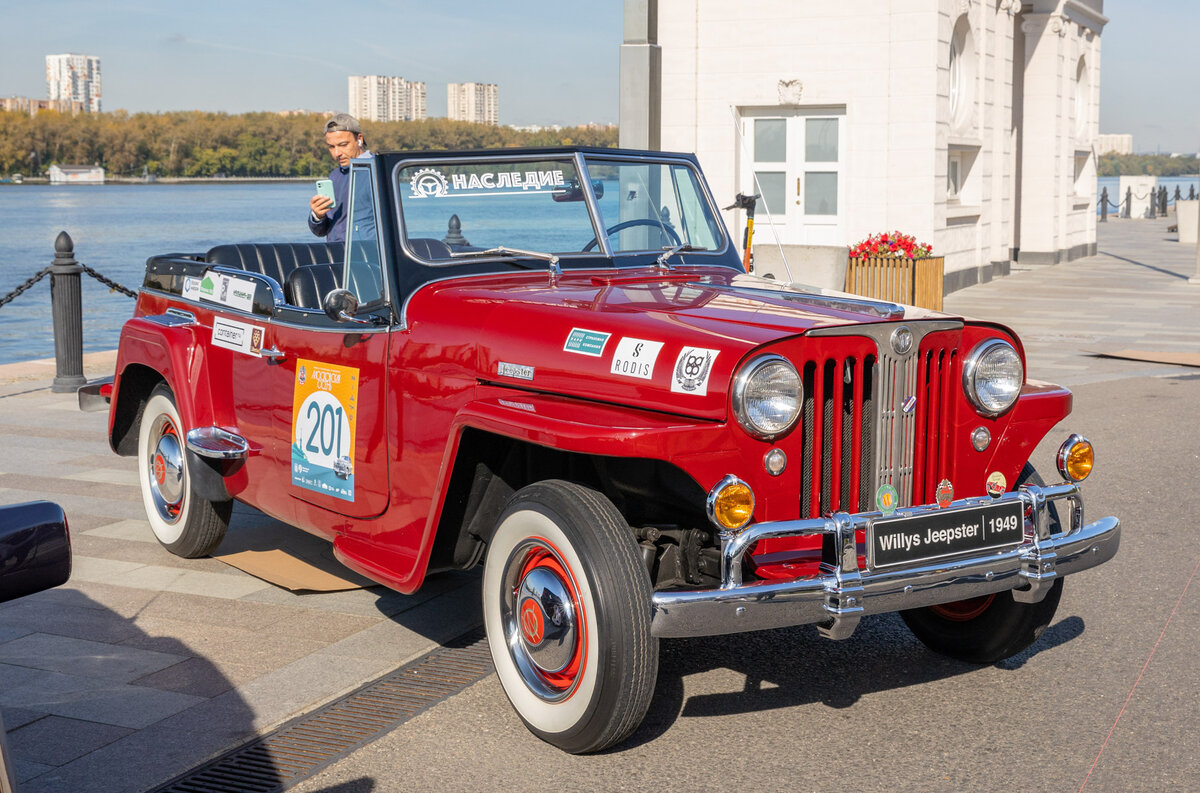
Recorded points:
(841, 595)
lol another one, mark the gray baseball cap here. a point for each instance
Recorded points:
(343, 122)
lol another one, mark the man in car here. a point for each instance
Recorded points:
(343, 136)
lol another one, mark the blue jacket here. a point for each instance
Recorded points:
(333, 226)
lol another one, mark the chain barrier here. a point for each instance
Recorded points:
(14, 294)
(113, 286)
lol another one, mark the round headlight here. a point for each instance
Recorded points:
(767, 396)
(993, 376)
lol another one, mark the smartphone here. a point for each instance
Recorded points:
(325, 188)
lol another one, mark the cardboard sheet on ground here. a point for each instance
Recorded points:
(289, 558)
(1175, 358)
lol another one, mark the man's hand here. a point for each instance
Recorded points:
(320, 206)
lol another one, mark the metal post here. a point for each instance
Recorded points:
(67, 309)
(1162, 200)
(1128, 210)
(1177, 196)
(1103, 204)
(1191, 192)
(1153, 202)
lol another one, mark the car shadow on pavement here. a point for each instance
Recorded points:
(796, 666)
(92, 702)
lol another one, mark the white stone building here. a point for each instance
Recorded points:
(968, 123)
(74, 78)
(373, 97)
(1114, 143)
(475, 102)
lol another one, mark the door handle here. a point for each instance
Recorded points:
(273, 354)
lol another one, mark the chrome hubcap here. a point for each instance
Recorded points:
(165, 473)
(540, 610)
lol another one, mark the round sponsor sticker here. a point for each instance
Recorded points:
(944, 493)
(996, 484)
(887, 499)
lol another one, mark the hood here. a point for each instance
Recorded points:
(661, 341)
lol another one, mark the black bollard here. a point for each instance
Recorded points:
(67, 310)
(1177, 196)
(1191, 192)
(1103, 204)
(1153, 202)
(454, 234)
(1162, 200)
(1128, 210)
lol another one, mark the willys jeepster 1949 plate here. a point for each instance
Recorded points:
(552, 363)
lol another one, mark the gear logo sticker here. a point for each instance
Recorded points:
(692, 368)
(429, 183)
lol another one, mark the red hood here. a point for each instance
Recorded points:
(565, 338)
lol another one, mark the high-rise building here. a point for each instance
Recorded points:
(74, 78)
(476, 102)
(373, 97)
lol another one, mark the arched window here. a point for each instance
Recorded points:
(962, 75)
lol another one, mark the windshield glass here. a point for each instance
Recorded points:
(452, 210)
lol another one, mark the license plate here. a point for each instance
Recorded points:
(945, 532)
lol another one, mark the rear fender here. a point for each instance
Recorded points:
(151, 353)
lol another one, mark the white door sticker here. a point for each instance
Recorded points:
(636, 357)
(692, 368)
(237, 336)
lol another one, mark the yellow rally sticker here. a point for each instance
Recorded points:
(324, 413)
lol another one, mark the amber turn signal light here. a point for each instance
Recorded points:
(731, 503)
(1075, 458)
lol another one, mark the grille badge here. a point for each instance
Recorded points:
(909, 404)
(902, 340)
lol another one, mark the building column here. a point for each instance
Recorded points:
(1041, 161)
(641, 78)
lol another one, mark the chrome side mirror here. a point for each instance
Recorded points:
(340, 305)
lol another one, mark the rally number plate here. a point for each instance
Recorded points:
(945, 532)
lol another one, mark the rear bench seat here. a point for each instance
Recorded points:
(306, 271)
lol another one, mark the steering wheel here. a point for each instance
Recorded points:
(628, 224)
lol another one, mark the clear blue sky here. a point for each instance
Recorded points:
(556, 61)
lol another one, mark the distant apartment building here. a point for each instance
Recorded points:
(1110, 143)
(74, 78)
(24, 104)
(374, 97)
(475, 102)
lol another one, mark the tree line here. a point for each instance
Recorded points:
(1151, 164)
(251, 144)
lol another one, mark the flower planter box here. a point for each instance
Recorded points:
(914, 282)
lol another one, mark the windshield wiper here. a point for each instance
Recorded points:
(500, 250)
(669, 252)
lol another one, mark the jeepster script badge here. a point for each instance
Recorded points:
(996, 484)
(886, 499)
(944, 493)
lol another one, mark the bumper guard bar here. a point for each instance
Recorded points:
(842, 593)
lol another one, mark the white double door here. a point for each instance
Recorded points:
(794, 158)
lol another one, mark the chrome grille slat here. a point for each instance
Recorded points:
(887, 441)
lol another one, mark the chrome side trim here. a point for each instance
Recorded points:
(840, 595)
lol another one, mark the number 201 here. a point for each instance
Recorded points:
(326, 422)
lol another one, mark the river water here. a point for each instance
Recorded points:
(117, 227)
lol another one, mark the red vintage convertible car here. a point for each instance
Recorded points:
(551, 362)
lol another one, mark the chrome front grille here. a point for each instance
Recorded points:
(856, 433)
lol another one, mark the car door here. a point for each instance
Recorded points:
(331, 380)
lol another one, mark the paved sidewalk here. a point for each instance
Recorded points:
(145, 665)
(1134, 294)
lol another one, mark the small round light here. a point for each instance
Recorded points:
(731, 503)
(1075, 458)
(993, 376)
(981, 438)
(767, 395)
(775, 461)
